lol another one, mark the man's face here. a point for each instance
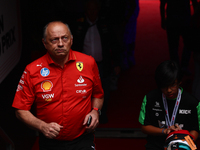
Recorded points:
(171, 91)
(58, 40)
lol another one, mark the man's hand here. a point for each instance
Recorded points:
(51, 130)
(95, 120)
(172, 128)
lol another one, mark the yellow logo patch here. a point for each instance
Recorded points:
(48, 100)
(79, 66)
(46, 85)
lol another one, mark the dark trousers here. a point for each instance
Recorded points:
(84, 142)
(173, 35)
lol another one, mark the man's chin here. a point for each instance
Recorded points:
(61, 54)
(171, 97)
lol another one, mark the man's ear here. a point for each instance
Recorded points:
(43, 41)
(72, 39)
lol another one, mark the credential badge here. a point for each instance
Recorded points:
(79, 66)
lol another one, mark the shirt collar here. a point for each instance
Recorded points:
(72, 57)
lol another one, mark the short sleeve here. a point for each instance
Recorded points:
(144, 118)
(24, 96)
(97, 88)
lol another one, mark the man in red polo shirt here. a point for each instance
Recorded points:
(66, 89)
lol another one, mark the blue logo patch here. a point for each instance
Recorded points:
(44, 72)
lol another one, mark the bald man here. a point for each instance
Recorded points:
(65, 87)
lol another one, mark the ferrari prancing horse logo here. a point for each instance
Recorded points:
(79, 66)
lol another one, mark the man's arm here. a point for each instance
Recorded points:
(96, 103)
(152, 130)
(50, 130)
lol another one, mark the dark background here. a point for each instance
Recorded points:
(35, 14)
(125, 102)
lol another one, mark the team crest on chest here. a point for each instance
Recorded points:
(79, 66)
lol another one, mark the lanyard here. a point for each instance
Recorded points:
(168, 122)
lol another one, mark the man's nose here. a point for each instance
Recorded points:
(169, 89)
(60, 42)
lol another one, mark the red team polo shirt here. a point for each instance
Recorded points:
(60, 95)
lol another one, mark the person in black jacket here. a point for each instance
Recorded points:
(176, 20)
(93, 36)
(168, 108)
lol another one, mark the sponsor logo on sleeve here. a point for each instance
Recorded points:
(79, 66)
(46, 85)
(21, 81)
(44, 72)
(19, 88)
